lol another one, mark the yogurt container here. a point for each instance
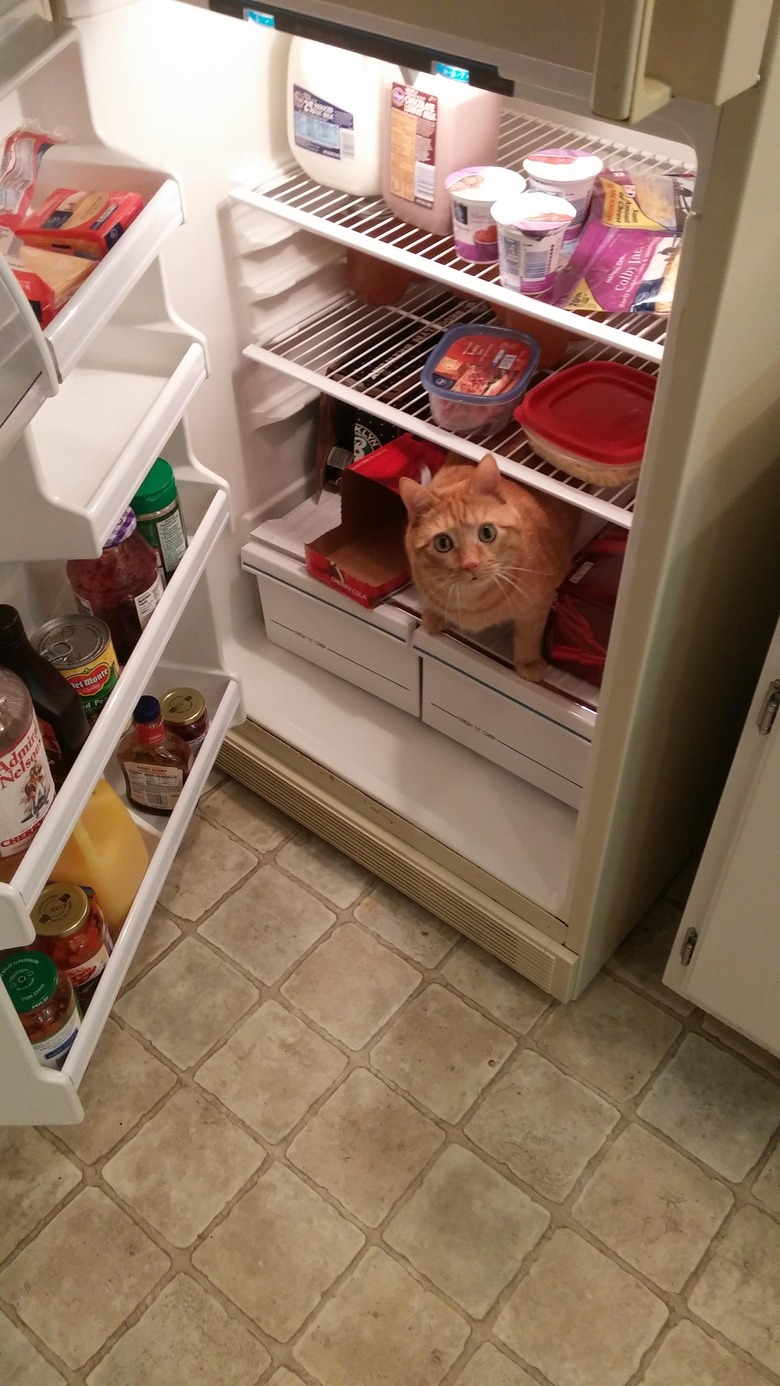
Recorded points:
(472, 192)
(531, 229)
(564, 173)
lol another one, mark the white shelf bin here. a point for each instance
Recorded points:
(16, 899)
(34, 1096)
(86, 451)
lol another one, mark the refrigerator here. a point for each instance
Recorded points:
(540, 825)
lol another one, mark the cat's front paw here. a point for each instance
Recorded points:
(534, 672)
(433, 622)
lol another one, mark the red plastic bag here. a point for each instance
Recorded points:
(580, 621)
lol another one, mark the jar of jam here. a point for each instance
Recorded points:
(71, 930)
(45, 1002)
(123, 586)
(184, 714)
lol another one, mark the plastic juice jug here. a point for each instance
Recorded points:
(334, 115)
(107, 852)
(432, 127)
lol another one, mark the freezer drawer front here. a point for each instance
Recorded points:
(504, 731)
(343, 644)
(639, 53)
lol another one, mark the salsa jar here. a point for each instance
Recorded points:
(184, 713)
(122, 587)
(71, 930)
(45, 1002)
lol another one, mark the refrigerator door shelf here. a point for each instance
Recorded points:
(206, 510)
(31, 1095)
(372, 358)
(366, 224)
(26, 46)
(83, 455)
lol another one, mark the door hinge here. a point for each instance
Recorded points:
(688, 945)
(768, 713)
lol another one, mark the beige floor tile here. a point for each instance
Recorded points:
(714, 1106)
(208, 864)
(468, 1229)
(743, 1045)
(271, 1070)
(543, 1125)
(365, 1146)
(406, 925)
(767, 1186)
(351, 985)
(285, 1378)
(381, 1328)
(610, 1037)
(688, 1357)
(187, 1002)
(268, 924)
(122, 1083)
(185, 1338)
(645, 953)
(257, 823)
(158, 935)
(22, 1364)
(495, 987)
(327, 871)
(579, 1318)
(34, 1177)
(81, 1277)
(739, 1292)
(489, 1367)
(653, 1207)
(277, 1252)
(219, 1158)
(442, 1052)
(214, 778)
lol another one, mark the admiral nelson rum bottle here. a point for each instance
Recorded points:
(26, 785)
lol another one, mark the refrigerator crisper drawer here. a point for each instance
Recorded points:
(509, 728)
(371, 649)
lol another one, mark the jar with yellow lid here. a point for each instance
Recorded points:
(185, 714)
(71, 930)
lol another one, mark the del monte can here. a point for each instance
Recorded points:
(81, 648)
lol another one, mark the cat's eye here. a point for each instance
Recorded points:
(442, 543)
(487, 533)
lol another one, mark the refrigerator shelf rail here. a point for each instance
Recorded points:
(366, 224)
(206, 509)
(372, 358)
(84, 453)
(34, 1096)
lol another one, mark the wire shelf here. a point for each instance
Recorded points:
(372, 358)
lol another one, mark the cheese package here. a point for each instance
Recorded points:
(47, 279)
(80, 223)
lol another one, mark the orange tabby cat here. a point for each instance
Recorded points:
(483, 549)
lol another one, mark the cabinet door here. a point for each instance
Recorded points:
(726, 956)
(638, 52)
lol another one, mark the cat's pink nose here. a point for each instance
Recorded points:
(470, 565)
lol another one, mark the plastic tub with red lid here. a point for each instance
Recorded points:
(591, 421)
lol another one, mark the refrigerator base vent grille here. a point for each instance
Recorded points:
(380, 851)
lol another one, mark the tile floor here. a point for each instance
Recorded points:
(331, 1143)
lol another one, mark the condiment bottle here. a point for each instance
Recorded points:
(58, 707)
(107, 852)
(157, 510)
(26, 785)
(184, 713)
(45, 1002)
(154, 762)
(122, 586)
(71, 930)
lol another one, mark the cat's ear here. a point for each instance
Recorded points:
(487, 477)
(415, 497)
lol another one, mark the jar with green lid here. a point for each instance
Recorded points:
(45, 1002)
(157, 510)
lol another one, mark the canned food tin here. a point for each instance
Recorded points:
(82, 649)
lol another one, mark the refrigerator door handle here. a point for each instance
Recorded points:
(622, 89)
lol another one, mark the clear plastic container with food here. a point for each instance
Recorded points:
(475, 376)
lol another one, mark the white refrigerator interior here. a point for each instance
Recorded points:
(208, 335)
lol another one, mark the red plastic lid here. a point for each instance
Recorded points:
(598, 410)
